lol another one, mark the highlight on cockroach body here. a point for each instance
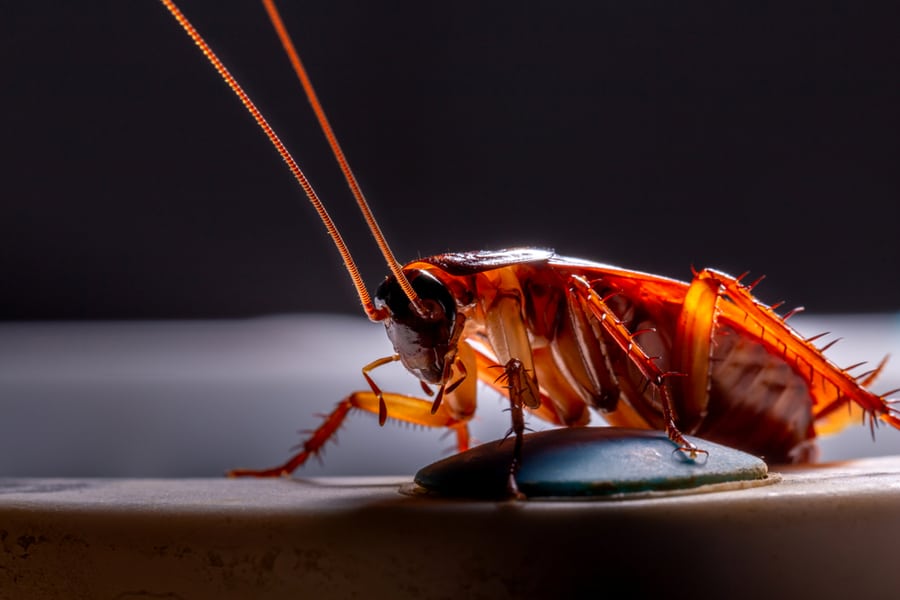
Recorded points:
(561, 337)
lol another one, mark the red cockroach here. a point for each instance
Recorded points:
(703, 357)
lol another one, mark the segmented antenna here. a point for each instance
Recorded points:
(395, 266)
(364, 297)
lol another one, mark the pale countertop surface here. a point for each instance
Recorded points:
(818, 532)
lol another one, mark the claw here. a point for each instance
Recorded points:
(692, 453)
(382, 410)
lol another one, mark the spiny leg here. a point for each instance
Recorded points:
(518, 428)
(310, 447)
(523, 392)
(624, 339)
(408, 409)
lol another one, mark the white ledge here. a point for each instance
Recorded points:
(820, 532)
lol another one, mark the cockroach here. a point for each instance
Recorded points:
(560, 336)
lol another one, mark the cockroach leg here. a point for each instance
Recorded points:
(407, 409)
(685, 448)
(447, 388)
(382, 407)
(451, 359)
(625, 340)
(310, 447)
(518, 427)
(520, 386)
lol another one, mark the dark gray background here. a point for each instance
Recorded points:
(654, 135)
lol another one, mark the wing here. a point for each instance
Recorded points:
(638, 286)
(478, 261)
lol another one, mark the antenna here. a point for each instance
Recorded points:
(364, 297)
(395, 267)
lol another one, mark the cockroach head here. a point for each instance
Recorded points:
(422, 341)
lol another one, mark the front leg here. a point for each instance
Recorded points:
(453, 414)
(382, 407)
(407, 409)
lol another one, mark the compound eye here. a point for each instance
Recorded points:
(422, 342)
(433, 294)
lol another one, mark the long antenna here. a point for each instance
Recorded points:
(394, 265)
(366, 300)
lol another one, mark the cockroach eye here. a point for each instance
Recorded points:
(432, 293)
(422, 341)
